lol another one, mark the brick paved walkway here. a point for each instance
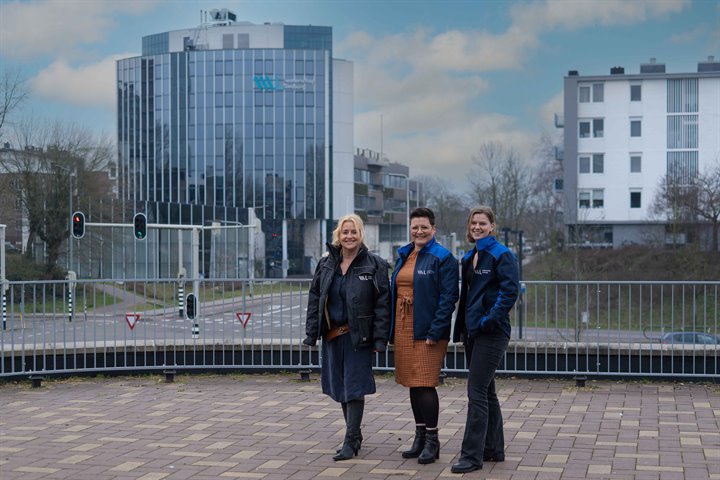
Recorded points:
(276, 427)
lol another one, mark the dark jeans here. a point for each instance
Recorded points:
(484, 424)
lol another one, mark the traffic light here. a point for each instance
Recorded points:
(191, 306)
(78, 224)
(140, 224)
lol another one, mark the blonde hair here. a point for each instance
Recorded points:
(483, 210)
(359, 226)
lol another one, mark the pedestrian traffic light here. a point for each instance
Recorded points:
(191, 306)
(78, 224)
(140, 224)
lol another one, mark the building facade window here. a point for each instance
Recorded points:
(594, 198)
(635, 93)
(635, 199)
(682, 131)
(635, 128)
(635, 164)
(584, 129)
(361, 176)
(682, 167)
(394, 181)
(583, 199)
(598, 163)
(594, 163)
(584, 164)
(598, 93)
(598, 127)
(584, 93)
(594, 126)
(682, 95)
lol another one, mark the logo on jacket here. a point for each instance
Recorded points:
(365, 277)
(426, 272)
(481, 271)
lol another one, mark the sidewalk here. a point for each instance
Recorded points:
(276, 427)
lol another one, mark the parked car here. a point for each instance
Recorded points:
(690, 337)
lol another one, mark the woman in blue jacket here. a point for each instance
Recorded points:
(487, 294)
(424, 289)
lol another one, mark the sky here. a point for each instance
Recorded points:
(434, 79)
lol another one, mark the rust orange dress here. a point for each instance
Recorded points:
(417, 364)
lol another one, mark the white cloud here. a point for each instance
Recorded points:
(448, 152)
(57, 27)
(550, 15)
(86, 85)
(428, 86)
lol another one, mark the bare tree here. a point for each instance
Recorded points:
(544, 222)
(13, 92)
(450, 206)
(58, 164)
(691, 201)
(502, 181)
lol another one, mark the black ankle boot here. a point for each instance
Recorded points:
(464, 466)
(360, 440)
(431, 452)
(418, 443)
(350, 448)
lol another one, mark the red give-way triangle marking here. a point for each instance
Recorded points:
(243, 317)
(132, 319)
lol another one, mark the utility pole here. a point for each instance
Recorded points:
(4, 285)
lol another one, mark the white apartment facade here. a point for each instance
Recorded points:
(623, 134)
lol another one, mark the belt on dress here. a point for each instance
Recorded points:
(405, 303)
(336, 332)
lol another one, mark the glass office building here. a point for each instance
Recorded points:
(229, 116)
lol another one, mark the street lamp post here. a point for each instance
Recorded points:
(70, 219)
(407, 206)
(407, 209)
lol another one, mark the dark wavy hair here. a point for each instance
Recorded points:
(423, 212)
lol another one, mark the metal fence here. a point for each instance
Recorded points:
(559, 328)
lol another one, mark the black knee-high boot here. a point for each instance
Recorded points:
(344, 409)
(351, 444)
(431, 452)
(418, 443)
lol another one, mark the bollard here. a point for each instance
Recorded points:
(305, 375)
(4, 312)
(70, 305)
(442, 378)
(36, 380)
(181, 300)
(580, 381)
(169, 376)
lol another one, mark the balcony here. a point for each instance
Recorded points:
(559, 121)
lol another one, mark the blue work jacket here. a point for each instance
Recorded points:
(435, 290)
(488, 292)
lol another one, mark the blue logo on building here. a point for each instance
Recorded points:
(266, 82)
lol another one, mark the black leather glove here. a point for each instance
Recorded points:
(309, 341)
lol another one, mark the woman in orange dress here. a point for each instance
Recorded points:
(425, 289)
